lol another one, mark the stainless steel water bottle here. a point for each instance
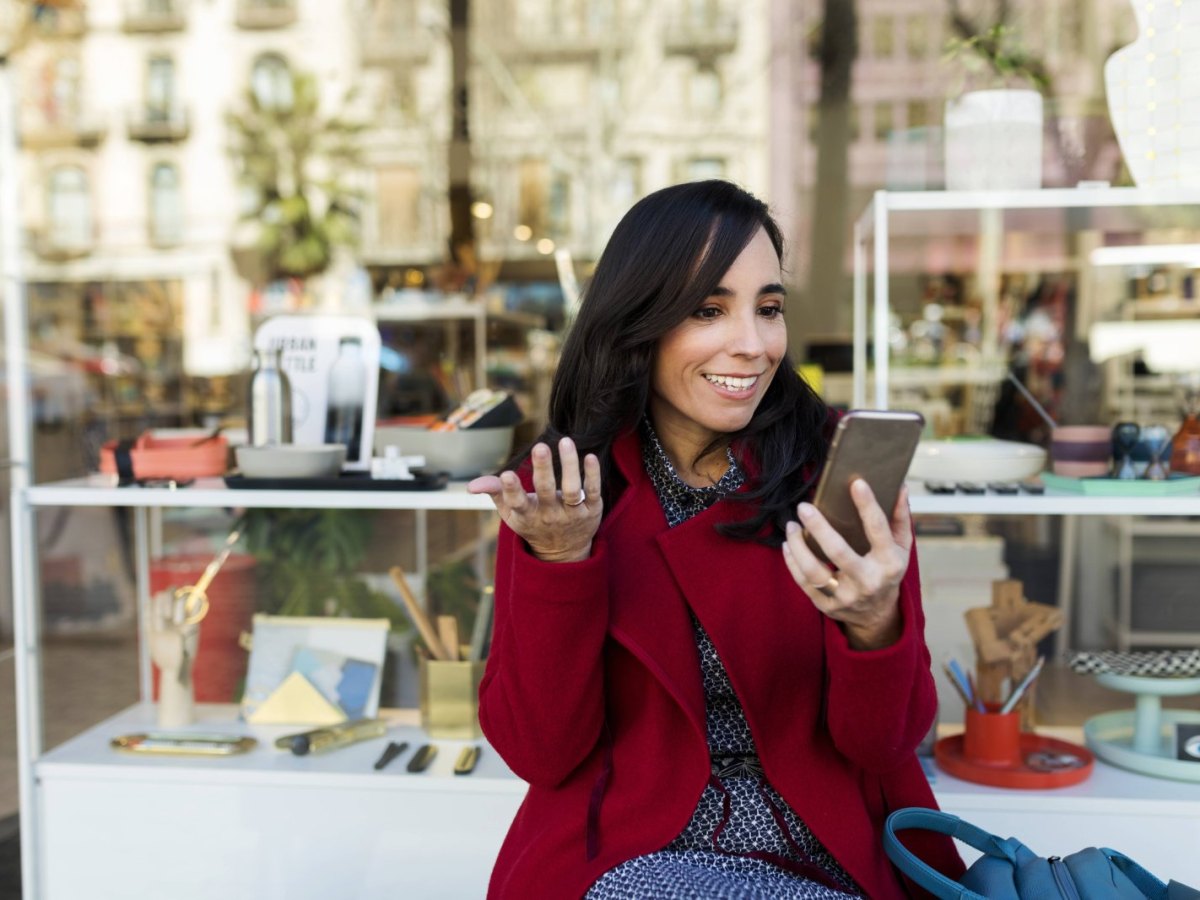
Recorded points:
(270, 400)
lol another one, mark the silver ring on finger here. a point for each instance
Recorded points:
(829, 587)
(578, 501)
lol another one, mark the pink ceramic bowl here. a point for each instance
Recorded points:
(1081, 451)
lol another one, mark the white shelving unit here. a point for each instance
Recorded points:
(436, 835)
(988, 215)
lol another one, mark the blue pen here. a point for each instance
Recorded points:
(1020, 689)
(963, 682)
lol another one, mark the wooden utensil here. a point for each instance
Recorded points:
(428, 635)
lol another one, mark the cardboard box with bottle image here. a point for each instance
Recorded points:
(332, 366)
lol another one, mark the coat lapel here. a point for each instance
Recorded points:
(648, 614)
(761, 623)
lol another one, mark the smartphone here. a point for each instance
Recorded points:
(877, 446)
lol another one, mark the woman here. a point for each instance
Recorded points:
(700, 708)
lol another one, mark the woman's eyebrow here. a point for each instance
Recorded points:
(775, 288)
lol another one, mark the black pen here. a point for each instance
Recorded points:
(390, 752)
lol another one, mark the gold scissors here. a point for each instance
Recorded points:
(191, 601)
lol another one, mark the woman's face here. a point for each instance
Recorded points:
(712, 370)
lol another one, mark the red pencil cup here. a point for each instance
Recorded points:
(992, 738)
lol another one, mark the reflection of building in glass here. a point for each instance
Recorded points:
(575, 110)
(901, 81)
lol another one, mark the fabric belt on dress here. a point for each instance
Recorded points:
(737, 765)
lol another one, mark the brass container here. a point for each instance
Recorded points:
(450, 698)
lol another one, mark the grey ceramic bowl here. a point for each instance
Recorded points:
(464, 454)
(291, 460)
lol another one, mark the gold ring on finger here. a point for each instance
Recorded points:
(578, 502)
(828, 587)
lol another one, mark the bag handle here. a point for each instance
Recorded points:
(942, 823)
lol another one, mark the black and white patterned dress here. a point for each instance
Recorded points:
(743, 841)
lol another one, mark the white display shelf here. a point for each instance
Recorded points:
(102, 490)
(1050, 503)
(266, 824)
(88, 755)
(390, 833)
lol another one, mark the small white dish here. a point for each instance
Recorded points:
(983, 459)
(291, 460)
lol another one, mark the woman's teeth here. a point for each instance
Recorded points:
(734, 384)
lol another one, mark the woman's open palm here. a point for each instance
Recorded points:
(558, 522)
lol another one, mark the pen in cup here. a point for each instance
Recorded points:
(958, 688)
(965, 686)
(1019, 691)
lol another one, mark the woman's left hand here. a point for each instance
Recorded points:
(863, 594)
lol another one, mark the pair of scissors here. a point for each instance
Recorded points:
(191, 601)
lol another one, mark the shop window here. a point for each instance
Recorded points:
(59, 91)
(160, 88)
(166, 205)
(69, 208)
(701, 168)
(601, 16)
(883, 36)
(533, 196)
(884, 121)
(702, 13)
(393, 17)
(559, 207)
(920, 113)
(271, 82)
(399, 191)
(705, 90)
(916, 36)
(627, 183)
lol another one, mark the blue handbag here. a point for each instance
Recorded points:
(1008, 870)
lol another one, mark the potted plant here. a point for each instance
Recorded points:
(308, 562)
(993, 132)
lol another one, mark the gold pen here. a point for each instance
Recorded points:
(321, 739)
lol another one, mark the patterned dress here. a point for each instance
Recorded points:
(743, 841)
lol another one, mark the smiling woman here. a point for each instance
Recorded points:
(699, 707)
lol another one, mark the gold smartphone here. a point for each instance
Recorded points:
(877, 446)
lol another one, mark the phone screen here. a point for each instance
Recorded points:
(877, 446)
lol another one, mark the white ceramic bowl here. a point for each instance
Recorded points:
(291, 460)
(464, 454)
(983, 459)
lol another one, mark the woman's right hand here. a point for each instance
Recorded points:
(558, 525)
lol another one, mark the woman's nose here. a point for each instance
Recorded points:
(747, 339)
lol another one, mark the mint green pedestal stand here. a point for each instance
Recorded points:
(1143, 739)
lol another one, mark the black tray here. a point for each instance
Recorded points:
(348, 481)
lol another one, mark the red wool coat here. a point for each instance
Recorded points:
(593, 695)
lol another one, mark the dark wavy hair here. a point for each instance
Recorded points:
(664, 259)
